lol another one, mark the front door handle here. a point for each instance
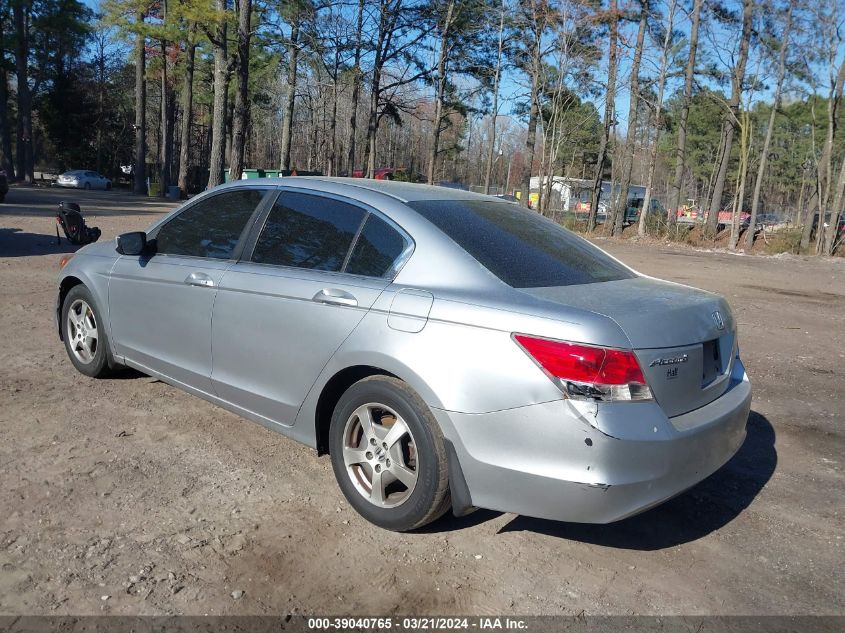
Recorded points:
(333, 296)
(199, 279)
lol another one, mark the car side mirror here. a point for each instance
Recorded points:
(134, 243)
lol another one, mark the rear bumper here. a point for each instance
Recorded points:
(589, 463)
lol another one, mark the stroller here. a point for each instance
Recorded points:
(73, 224)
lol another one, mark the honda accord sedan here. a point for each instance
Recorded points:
(446, 349)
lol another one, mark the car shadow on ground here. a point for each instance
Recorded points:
(17, 243)
(703, 509)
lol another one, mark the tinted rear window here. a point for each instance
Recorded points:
(520, 247)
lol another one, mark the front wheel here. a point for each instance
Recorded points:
(388, 454)
(87, 186)
(84, 333)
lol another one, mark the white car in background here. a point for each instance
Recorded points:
(83, 179)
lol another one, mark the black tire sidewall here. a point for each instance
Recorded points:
(99, 366)
(409, 514)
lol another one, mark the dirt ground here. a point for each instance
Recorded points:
(126, 496)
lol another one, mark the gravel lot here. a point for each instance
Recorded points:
(126, 496)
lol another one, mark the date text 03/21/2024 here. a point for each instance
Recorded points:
(417, 623)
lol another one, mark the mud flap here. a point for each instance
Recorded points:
(461, 500)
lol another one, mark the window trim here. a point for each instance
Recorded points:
(258, 227)
(248, 227)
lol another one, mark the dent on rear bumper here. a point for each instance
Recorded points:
(589, 463)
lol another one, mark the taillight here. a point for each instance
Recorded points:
(587, 372)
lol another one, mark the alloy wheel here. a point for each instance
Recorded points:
(83, 337)
(380, 455)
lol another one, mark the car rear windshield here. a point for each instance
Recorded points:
(519, 246)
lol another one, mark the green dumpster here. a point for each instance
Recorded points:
(271, 173)
(249, 174)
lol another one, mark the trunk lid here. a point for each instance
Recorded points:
(684, 338)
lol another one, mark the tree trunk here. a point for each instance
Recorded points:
(241, 116)
(534, 110)
(332, 162)
(187, 109)
(101, 85)
(730, 123)
(661, 86)
(440, 91)
(5, 132)
(609, 107)
(356, 89)
(764, 153)
(620, 209)
(375, 93)
(488, 172)
(140, 169)
(372, 127)
(745, 136)
(167, 121)
(287, 122)
(824, 166)
(221, 83)
(832, 232)
(689, 76)
(26, 163)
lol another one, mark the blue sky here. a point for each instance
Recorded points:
(716, 45)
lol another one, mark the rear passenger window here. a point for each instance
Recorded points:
(210, 228)
(308, 231)
(377, 250)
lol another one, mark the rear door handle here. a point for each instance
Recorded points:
(199, 279)
(334, 296)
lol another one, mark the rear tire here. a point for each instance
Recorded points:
(389, 455)
(84, 333)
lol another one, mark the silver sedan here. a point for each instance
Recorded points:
(446, 349)
(83, 179)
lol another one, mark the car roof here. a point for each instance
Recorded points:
(402, 191)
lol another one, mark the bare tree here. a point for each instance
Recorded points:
(495, 108)
(397, 43)
(731, 120)
(767, 142)
(609, 113)
(681, 150)
(534, 15)
(357, 77)
(658, 113)
(445, 28)
(621, 206)
(826, 18)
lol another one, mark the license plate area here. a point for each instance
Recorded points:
(711, 362)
